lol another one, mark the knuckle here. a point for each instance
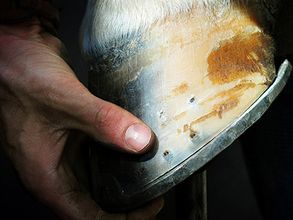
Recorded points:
(106, 116)
(37, 183)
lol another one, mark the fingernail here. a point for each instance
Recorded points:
(137, 137)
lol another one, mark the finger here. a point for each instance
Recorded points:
(114, 125)
(76, 149)
(76, 206)
(70, 202)
(57, 88)
(105, 121)
(79, 206)
(149, 212)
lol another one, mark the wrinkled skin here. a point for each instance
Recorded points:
(41, 102)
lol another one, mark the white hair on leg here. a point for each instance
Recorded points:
(106, 20)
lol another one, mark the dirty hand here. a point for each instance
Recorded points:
(41, 101)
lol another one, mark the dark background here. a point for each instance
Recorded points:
(236, 178)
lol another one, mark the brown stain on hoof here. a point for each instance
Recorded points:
(241, 56)
(203, 118)
(185, 128)
(179, 116)
(181, 89)
(226, 106)
(192, 134)
(236, 91)
(218, 110)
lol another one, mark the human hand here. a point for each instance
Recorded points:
(41, 101)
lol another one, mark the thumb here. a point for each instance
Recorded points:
(111, 124)
(105, 121)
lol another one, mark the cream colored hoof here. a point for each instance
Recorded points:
(190, 74)
(209, 71)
